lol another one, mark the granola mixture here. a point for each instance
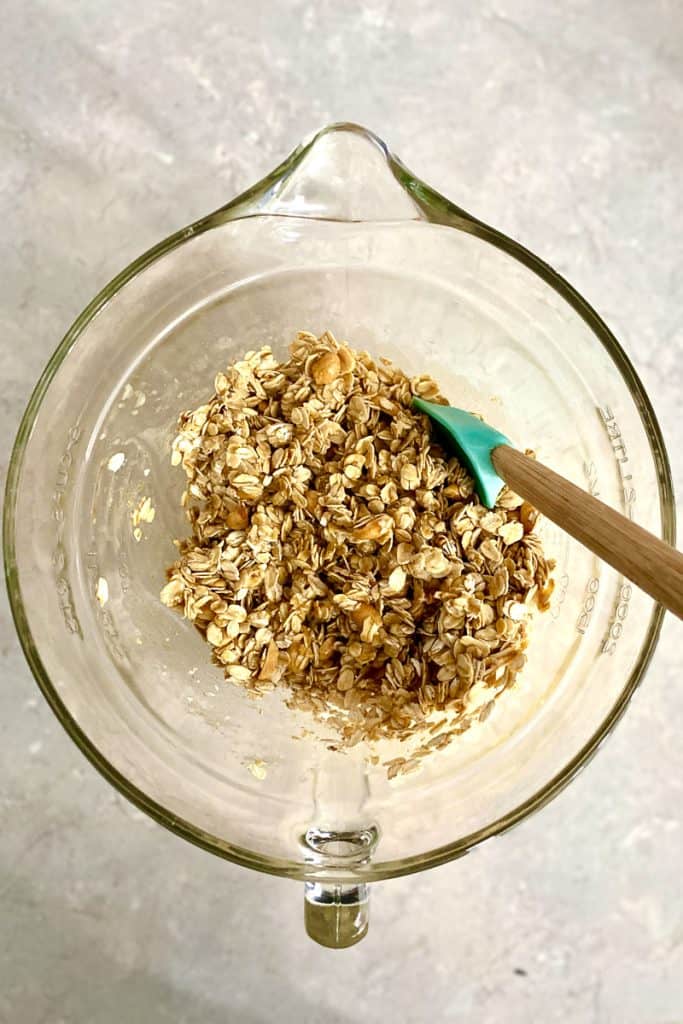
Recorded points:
(337, 551)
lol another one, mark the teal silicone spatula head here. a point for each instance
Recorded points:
(631, 550)
(472, 441)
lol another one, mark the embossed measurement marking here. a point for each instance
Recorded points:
(618, 445)
(588, 605)
(616, 626)
(621, 455)
(563, 586)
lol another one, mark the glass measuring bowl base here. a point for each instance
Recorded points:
(342, 237)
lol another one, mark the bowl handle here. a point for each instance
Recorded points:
(336, 906)
(336, 915)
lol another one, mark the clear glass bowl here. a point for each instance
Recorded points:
(340, 236)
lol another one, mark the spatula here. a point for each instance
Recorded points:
(644, 559)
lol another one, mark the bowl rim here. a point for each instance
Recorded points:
(436, 209)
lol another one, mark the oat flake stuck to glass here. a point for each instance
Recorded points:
(338, 551)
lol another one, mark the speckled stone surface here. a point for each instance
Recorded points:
(561, 124)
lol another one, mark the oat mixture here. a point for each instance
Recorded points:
(337, 551)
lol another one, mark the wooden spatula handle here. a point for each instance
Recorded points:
(643, 558)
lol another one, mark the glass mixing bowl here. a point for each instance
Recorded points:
(340, 236)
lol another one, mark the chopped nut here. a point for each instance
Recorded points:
(378, 528)
(326, 368)
(238, 517)
(362, 612)
(396, 581)
(347, 359)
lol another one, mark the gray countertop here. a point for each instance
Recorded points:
(561, 124)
